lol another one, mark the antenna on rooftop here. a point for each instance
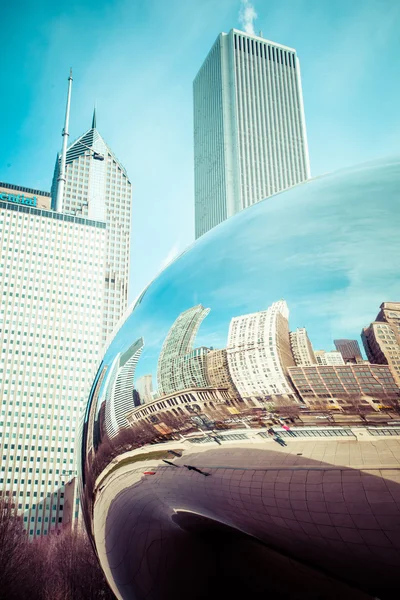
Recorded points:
(65, 134)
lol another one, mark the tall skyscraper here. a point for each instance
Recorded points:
(349, 349)
(51, 308)
(302, 349)
(179, 362)
(144, 388)
(250, 136)
(390, 313)
(97, 186)
(381, 339)
(259, 353)
(218, 374)
(382, 347)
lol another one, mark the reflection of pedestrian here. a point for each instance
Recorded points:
(279, 440)
(287, 428)
(190, 468)
(170, 463)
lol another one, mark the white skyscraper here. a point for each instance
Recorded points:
(302, 349)
(259, 353)
(250, 136)
(51, 309)
(97, 186)
(120, 388)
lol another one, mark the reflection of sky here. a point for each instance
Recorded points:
(330, 248)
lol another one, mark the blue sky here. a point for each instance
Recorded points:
(137, 58)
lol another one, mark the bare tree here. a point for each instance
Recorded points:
(12, 549)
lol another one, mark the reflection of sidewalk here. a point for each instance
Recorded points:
(120, 479)
(253, 488)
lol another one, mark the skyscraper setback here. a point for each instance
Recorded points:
(63, 285)
(97, 187)
(250, 136)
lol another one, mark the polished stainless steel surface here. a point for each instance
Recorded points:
(217, 456)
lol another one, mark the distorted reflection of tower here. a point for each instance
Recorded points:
(302, 349)
(349, 349)
(382, 338)
(119, 388)
(144, 387)
(97, 187)
(250, 136)
(259, 353)
(179, 366)
(218, 372)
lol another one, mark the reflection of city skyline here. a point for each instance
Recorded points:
(259, 355)
(258, 365)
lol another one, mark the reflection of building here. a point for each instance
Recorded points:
(329, 359)
(218, 372)
(144, 387)
(51, 291)
(302, 349)
(349, 349)
(259, 353)
(381, 346)
(318, 383)
(390, 313)
(71, 511)
(179, 366)
(249, 129)
(100, 189)
(181, 404)
(91, 429)
(119, 391)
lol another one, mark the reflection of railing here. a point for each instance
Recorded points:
(384, 431)
(334, 432)
(220, 437)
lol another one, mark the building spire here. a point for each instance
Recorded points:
(94, 118)
(61, 173)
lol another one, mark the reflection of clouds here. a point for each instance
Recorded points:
(327, 247)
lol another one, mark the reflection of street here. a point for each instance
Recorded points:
(309, 500)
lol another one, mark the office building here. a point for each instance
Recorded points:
(250, 136)
(390, 313)
(329, 359)
(259, 354)
(98, 187)
(51, 308)
(24, 196)
(349, 349)
(144, 387)
(177, 360)
(302, 349)
(119, 400)
(345, 385)
(381, 346)
(218, 374)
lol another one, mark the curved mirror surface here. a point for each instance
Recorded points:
(267, 353)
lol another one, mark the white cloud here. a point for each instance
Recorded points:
(247, 16)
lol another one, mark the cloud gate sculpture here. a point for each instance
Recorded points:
(240, 436)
